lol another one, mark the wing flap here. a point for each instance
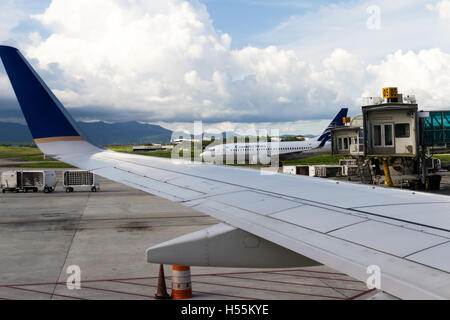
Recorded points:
(437, 257)
(258, 202)
(318, 218)
(417, 212)
(388, 238)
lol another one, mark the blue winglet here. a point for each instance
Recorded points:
(45, 115)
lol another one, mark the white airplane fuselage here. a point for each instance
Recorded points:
(265, 150)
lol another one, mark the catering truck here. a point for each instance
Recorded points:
(16, 181)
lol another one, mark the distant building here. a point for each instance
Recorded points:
(181, 140)
(155, 147)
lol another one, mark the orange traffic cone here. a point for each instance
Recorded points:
(162, 290)
(181, 282)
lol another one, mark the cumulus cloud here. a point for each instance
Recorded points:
(442, 8)
(313, 127)
(425, 74)
(5, 86)
(135, 54)
(10, 17)
(166, 58)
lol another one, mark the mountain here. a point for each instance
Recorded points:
(14, 132)
(99, 132)
(223, 135)
(104, 133)
(124, 132)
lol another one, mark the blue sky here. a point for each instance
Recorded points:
(230, 63)
(245, 19)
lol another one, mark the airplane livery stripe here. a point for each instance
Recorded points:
(56, 139)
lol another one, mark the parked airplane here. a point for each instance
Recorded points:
(399, 238)
(258, 152)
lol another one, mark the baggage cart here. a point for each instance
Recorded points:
(79, 179)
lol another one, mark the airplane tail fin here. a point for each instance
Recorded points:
(337, 121)
(46, 117)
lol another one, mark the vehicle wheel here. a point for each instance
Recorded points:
(3, 191)
(46, 190)
(71, 189)
(94, 189)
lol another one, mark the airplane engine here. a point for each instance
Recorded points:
(225, 246)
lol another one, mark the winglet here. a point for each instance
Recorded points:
(46, 117)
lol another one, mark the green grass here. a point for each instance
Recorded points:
(35, 158)
(18, 152)
(32, 155)
(46, 164)
(160, 153)
(126, 149)
(442, 157)
(324, 159)
(315, 160)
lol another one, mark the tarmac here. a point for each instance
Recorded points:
(106, 235)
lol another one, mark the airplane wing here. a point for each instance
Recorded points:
(348, 227)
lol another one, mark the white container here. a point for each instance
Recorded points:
(302, 170)
(78, 178)
(32, 179)
(9, 181)
(349, 170)
(22, 181)
(50, 181)
(289, 169)
(325, 171)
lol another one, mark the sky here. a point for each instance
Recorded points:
(233, 64)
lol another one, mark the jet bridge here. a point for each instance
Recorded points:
(391, 145)
(437, 130)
